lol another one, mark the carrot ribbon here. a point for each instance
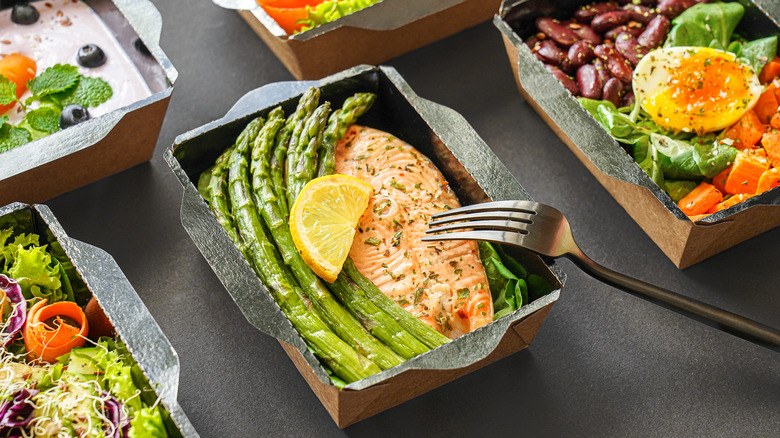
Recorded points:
(47, 342)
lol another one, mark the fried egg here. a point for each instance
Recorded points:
(695, 89)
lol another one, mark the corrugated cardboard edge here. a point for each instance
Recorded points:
(683, 242)
(345, 47)
(348, 407)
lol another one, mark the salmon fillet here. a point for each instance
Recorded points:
(443, 283)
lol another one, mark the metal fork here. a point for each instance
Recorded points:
(544, 230)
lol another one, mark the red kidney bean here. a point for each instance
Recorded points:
(586, 33)
(612, 91)
(628, 99)
(587, 12)
(633, 27)
(617, 65)
(580, 53)
(629, 47)
(556, 31)
(656, 32)
(589, 82)
(550, 53)
(564, 79)
(673, 8)
(640, 13)
(608, 20)
(602, 70)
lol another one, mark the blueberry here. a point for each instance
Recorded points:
(24, 13)
(73, 115)
(91, 56)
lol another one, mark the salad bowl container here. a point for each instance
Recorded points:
(370, 36)
(475, 175)
(131, 320)
(684, 242)
(105, 145)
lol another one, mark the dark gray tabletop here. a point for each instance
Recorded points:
(605, 363)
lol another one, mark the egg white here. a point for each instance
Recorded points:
(657, 75)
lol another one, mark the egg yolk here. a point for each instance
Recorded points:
(703, 91)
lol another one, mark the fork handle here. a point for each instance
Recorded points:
(731, 320)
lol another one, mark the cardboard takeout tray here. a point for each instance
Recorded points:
(683, 241)
(130, 318)
(105, 145)
(474, 173)
(370, 36)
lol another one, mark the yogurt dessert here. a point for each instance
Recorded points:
(78, 69)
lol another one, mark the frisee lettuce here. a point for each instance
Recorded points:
(39, 274)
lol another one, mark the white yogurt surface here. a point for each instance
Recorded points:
(63, 28)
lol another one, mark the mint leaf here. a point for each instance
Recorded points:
(7, 91)
(11, 137)
(3, 119)
(89, 92)
(43, 119)
(54, 80)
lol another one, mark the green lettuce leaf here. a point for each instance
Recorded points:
(705, 25)
(660, 153)
(147, 423)
(712, 25)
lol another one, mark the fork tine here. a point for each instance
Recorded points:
(489, 236)
(501, 215)
(521, 206)
(513, 226)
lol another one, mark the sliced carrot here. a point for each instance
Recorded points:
(719, 181)
(771, 143)
(732, 200)
(47, 343)
(747, 131)
(745, 173)
(766, 106)
(3, 299)
(19, 69)
(770, 71)
(775, 121)
(700, 199)
(769, 180)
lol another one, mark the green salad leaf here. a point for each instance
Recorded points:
(660, 153)
(510, 283)
(39, 274)
(712, 25)
(332, 10)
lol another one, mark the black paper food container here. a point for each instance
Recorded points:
(475, 174)
(105, 145)
(369, 36)
(683, 241)
(131, 319)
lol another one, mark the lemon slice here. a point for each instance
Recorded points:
(323, 221)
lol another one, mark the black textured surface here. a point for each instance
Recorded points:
(605, 363)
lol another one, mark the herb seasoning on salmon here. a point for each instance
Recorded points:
(444, 284)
